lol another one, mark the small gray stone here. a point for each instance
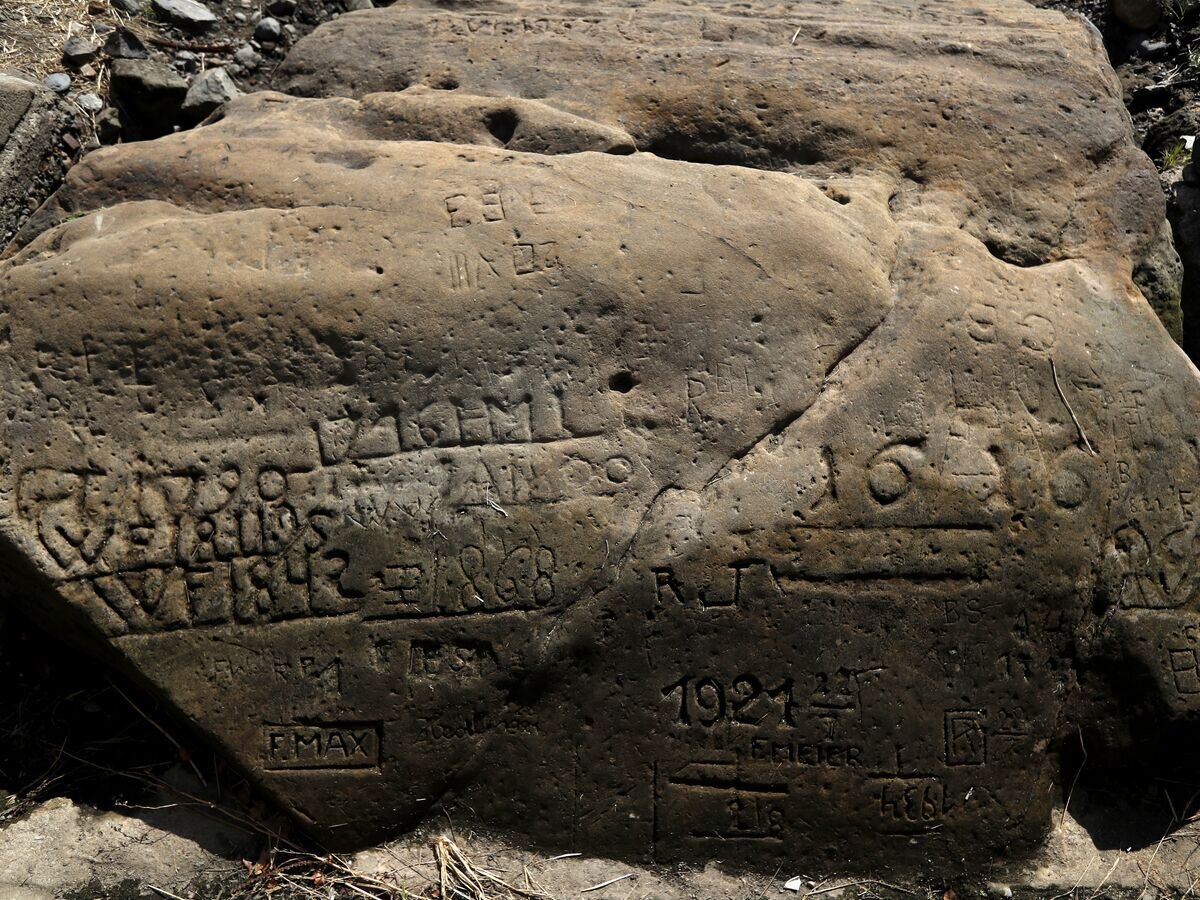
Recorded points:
(268, 31)
(59, 82)
(90, 102)
(285, 8)
(352, 5)
(78, 50)
(209, 92)
(185, 13)
(248, 58)
(124, 44)
(1150, 48)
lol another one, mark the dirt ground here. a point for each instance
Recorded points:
(32, 33)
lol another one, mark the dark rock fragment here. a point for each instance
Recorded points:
(125, 44)
(149, 96)
(108, 125)
(207, 93)
(1139, 15)
(79, 50)
(268, 31)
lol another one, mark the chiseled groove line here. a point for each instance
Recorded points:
(143, 568)
(933, 526)
(878, 576)
(466, 613)
(726, 836)
(729, 784)
(347, 459)
(355, 615)
(353, 769)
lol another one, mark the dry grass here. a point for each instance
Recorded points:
(32, 32)
(290, 875)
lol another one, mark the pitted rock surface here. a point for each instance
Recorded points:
(668, 510)
(1012, 111)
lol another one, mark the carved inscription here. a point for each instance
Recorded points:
(966, 740)
(476, 580)
(476, 723)
(341, 746)
(707, 801)
(798, 753)
(457, 659)
(1184, 665)
(912, 805)
(256, 540)
(706, 701)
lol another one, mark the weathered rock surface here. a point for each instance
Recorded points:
(32, 124)
(1013, 110)
(680, 511)
(65, 850)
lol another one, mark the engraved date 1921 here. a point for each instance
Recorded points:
(747, 700)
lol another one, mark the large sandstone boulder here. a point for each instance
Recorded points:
(659, 508)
